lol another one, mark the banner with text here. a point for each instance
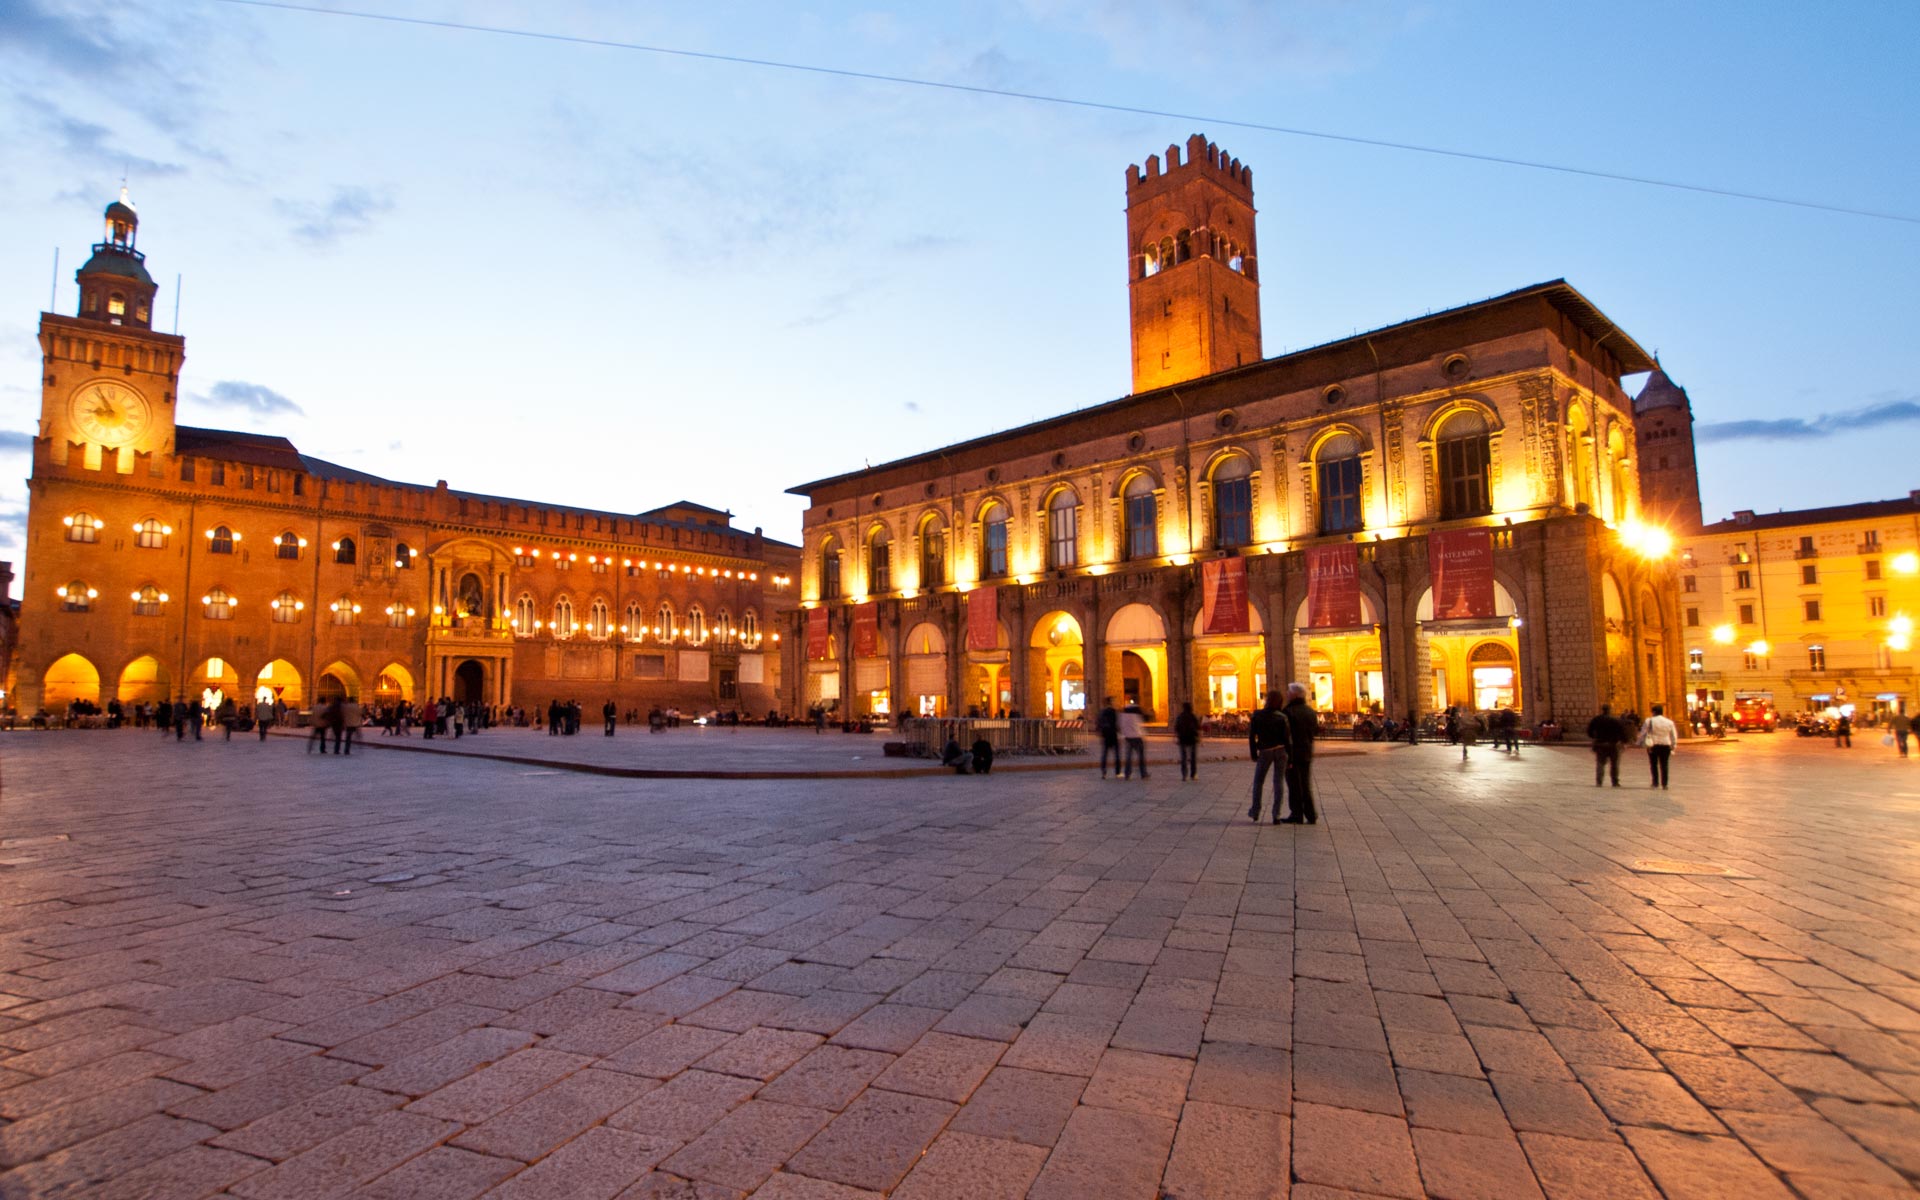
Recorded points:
(1224, 596)
(866, 630)
(817, 633)
(1333, 586)
(983, 618)
(1462, 564)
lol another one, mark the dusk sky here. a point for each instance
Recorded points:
(615, 279)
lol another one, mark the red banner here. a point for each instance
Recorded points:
(817, 633)
(866, 630)
(1223, 590)
(1333, 586)
(1461, 561)
(983, 618)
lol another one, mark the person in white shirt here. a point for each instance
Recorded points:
(1133, 735)
(1659, 735)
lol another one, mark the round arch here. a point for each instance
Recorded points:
(394, 683)
(1132, 473)
(1503, 604)
(69, 678)
(144, 680)
(338, 680)
(1057, 666)
(1327, 433)
(1135, 654)
(1453, 407)
(1226, 454)
(279, 680)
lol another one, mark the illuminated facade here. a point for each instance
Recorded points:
(1808, 610)
(168, 561)
(1091, 531)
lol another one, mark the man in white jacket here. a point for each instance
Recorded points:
(1133, 735)
(1659, 735)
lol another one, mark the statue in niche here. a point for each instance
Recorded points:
(472, 601)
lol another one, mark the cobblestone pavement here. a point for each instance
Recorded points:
(239, 970)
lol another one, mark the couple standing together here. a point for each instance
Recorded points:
(1281, 741)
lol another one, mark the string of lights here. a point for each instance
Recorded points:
(1503, 160)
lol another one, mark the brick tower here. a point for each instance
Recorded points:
(1669, 476)
(1192, 268)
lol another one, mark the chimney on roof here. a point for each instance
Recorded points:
(1743, 516)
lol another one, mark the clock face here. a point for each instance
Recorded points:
(109, 413)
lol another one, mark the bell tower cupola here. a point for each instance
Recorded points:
(1192, 266)
(114, 284)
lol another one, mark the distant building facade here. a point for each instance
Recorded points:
(167, 561)
(1669, 471)
(1808, 610)
(1240, 522)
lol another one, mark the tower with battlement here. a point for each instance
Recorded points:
(1192, 265)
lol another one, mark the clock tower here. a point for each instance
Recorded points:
(107, 379)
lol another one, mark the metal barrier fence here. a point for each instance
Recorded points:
(925, 736)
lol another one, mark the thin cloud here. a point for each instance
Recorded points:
(350, 210)
(90, 142)
(1822, 425)
(254, 398)
(12, 441)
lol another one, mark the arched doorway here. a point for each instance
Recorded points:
(1653, 629)
(1472, 658)
(926, 671)
(1231, 664)
(279, 680)
(1337, 658)
(69, 678)
(393, 685)
(1136, 654)
(338, 681)
(1057, 667)
(470, 683)
(987, 677)
(213, 681)
(144, 681)
(1496, 681)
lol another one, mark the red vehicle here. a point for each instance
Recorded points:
(1754, 714)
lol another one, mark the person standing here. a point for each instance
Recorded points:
(610, 713)
(1606, 733)
(1843, 731)
(1269, 733)
(226, 715)
(1413, 728)
(1133, 731)
(1659, 735)
(1467, 727)
(1186, 733)
(352, 716)
(1303, 726)
(264, 715)
(196, 716)
(1902, 729)
(1107, 725)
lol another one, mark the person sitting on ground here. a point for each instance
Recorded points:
(982, 756)
(951, 755)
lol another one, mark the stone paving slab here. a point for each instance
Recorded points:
(245, 971)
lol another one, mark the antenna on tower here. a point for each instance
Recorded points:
(176, 302)
(53, 292)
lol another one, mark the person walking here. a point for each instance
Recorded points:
(1133, 732)
(1269, 734)
(429, 716)
(1606, 733)
(165, 718)
(1659, 735)
(226, 714)
(263, 717)
(1413, 728)
(1467, 728)
(1843, 731)
(1902, 729)
(610, 713)
(1303, 726)
(352, 717)
(1107, 724)
(1186, 733)
(196, 716)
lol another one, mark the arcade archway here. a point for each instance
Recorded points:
(213, 681)
(393, 685)
(69, 678)
(1343, 665)
(338, 681)
(470, 683)
(1057, 667)
(1474, 660)
(144, 681)
(926, 671)
(279, 681)
(1232, 666)
(1136, 660)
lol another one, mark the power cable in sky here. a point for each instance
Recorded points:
(1074, 102)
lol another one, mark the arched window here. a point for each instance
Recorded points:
(750, 629)
(1580, 455)
(149, 601)
(84, 527)
(1618, 471)
(663, 623)
(150, 534)
(879, 563)
(1063, 530)
(288, 545)
(344, 611)
(344, 551)
(1462, 450)
(563, 618)
(287, 608)
(696, 626)
(830, 569)
(993, 541)
(524, 622)
(723, 629)
(636, 626)
(76, 597)
(398, 615)
(1337, 466)
(1166, 252)
(402, 557)
(1183, 245)
(599, 620)
(217, 605)
(220, 540)
(1233, 503)
(933, 552)
(1150, 262)
(1140, 512)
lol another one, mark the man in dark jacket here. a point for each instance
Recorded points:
(1303, 725)
(1107, 725)
(1606, 733)
(1268, 736)
(1186, 732)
